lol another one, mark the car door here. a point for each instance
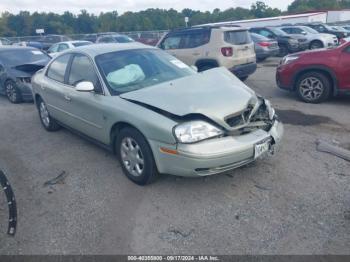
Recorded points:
(86, 108)
(343, 71)
(54, 89)
(2, 77)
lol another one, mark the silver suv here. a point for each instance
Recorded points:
(209, 47)
(316, 39)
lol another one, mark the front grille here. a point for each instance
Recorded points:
(302, 40)
(241, 119)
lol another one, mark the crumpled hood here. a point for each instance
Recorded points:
(215, 93)
(27, 70)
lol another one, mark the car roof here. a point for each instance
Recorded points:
(16, 48)
(98, 49)
(74, 42)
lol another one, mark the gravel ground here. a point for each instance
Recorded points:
(296, 202)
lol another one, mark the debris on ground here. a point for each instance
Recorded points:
(57, 180)
(262, 187)
(176, 234)
(11, 202)
(333, 149)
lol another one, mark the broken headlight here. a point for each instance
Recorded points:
(270, 109)
(194, 131)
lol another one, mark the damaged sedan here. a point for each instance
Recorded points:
(157, 114)
(17, 66)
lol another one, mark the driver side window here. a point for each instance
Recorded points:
(83, 70)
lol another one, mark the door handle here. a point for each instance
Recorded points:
(67, 98)
(195, 54)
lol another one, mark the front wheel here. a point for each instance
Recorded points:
(12, 92)
(135, 156)
(316, 45)
(46, 120)
(313, 87)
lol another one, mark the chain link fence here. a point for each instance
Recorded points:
(146, 37)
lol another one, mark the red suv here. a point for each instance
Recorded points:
(316, 75)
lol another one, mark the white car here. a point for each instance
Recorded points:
(55, 49)
(316, 39)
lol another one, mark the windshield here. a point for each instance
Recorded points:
(77, 44)
(123, 39)
(21, 57)
(278, 31)
(309, 30)
(130, 70)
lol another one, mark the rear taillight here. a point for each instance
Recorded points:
(227, 51)
(264, 44)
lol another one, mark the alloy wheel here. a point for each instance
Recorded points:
(11, 92)
(44, 114)
(132, 157)
(311, 88)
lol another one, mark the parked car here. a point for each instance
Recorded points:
(62, 46)
(316, 75)
(323, 28)
(4, 41)
(287, 43)
(158, 114)
(17, 65)
(316, 39)
(48, 40)
(264, 47)
(115, 38)
(209, 47)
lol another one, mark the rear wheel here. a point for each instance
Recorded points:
(283, 51)
(46, 120)
(316, 44)
(135, 156)
(202, 68)
(12, 92)
(243, 78)
(313, 87)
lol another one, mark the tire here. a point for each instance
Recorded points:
(313, 87)
(12, 92)
(316, 44)
(283, 51)
(243, 78)
(135, 156)
(261, 59)
(202, 68)
(46, 120)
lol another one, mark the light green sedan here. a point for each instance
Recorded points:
(157, 114)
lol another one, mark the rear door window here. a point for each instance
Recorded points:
(58, 68)
(237, 37)
(195, 39)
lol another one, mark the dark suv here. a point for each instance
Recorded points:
(322, 28)
(48, 40)
(287, 43)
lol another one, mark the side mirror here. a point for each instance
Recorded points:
(85, 86)
(2, 69)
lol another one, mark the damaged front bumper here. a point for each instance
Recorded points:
(216, 155)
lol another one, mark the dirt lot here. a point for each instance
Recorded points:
(296, 202)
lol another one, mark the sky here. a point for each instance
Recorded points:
(95, 6)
